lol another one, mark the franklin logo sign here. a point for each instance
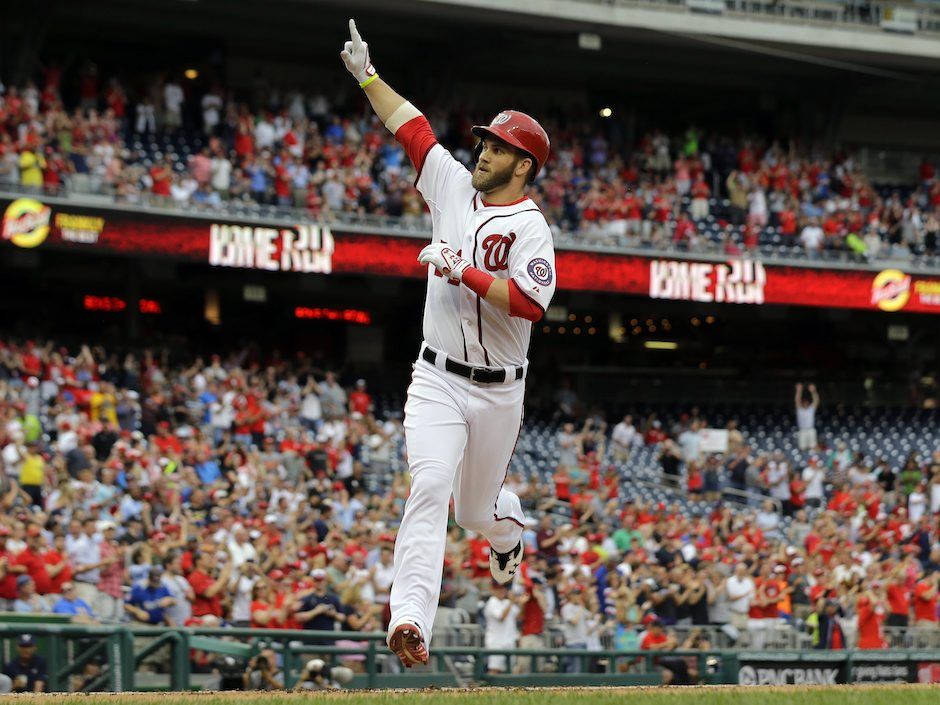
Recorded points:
(304, 248)
(737, 281)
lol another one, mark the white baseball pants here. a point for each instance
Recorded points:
(459, 438)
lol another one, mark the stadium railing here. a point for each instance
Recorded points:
(901, 17)
(123, 652)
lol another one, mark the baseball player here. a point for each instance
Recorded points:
(491, 274)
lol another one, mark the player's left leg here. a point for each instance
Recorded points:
(481, 503)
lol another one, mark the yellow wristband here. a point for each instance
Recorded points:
(369, 80)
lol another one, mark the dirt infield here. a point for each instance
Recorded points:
(703, 695)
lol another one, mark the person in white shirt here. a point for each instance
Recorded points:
(211, 111)
(180, 589)
(623, 438)
(740, 590)
(382, 573)
(311, 410)
(778, 479)
(574, 625)
(814, 475)
(173, 98)
(689, 441)
(812, 238)
(502, 632)
(242, 586)
(85, 557)
(917, 503)
(221, 179)
(806, 417)
(264, 134)
(241, 549)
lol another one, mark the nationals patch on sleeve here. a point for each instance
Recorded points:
(540, 271)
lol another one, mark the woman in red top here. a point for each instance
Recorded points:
(264, 612)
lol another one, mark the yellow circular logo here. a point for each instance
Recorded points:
(26, 222)
(890, 290)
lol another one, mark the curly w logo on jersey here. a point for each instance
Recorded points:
(496, 251)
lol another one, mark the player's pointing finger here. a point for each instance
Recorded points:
(353, 32)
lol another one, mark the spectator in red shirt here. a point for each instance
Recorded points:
(9, 571)
(656, 638)
(700, 193)
(532, 628)
(925, 600)
(161, 176)
(166, 442)
(899, 599)
(31, 559)
(57, 564)
(360, 402)
(871, 613)
(208, 590)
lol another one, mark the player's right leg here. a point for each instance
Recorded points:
(435, 438)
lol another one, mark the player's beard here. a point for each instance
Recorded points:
(490, 180)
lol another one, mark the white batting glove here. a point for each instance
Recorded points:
(355, 55)
(444, 259)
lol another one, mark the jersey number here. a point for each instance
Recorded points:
(496, 251)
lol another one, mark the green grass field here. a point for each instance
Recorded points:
(705, 695)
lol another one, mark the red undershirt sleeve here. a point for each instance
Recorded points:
(520, 305)
(417, 137)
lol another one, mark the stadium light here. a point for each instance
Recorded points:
(660, 345)
(606, 112)
(590, 41)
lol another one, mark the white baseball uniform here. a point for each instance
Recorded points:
(460, 435)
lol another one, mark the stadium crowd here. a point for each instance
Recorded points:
(254, 491)
(173, 144)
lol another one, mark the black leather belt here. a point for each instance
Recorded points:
(477, 375)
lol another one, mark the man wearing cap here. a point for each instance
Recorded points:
(28, 601)
(28, 671)
(320, 610)
(150, 600)
(574, 625)
(500, 611)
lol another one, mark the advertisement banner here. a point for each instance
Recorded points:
(221, 241)
(790, 671)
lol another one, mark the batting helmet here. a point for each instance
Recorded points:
(521, 131)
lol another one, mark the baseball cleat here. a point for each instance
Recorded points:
(503, 565)
(407, 644)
